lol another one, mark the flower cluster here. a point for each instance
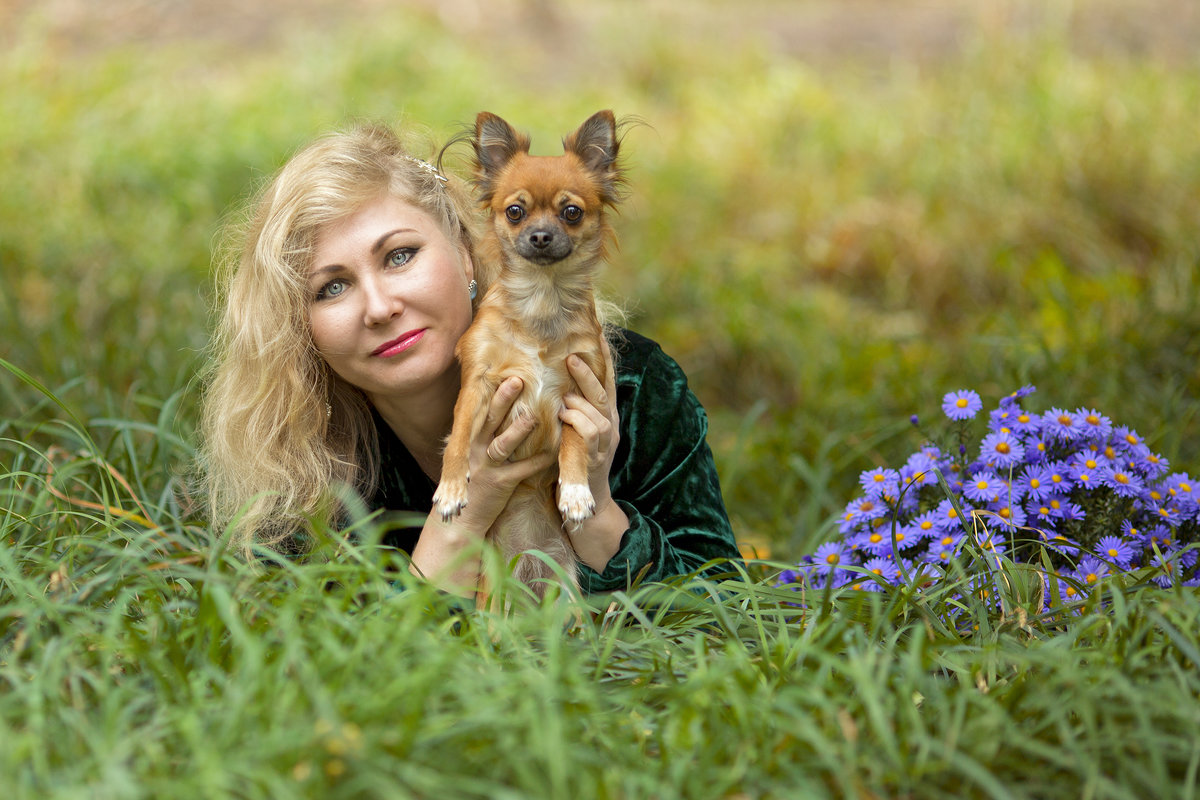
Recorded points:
(1070, 484)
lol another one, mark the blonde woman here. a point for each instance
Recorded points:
(333, 365)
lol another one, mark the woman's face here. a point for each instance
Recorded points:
(389, 298)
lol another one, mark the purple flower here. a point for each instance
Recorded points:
(1095, 425)
(983, 487)
(1001, 450)
(1091, 570)
(830, 556)
(1061, 425)
(1008, 515)
(963, 404)
(1115, 550)
(887, 571)
(1123, 482)
(1034, 483)
(877, 481)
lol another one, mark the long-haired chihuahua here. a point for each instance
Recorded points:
(547, 237)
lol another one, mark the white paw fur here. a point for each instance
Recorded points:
(575, 502)
(450, 499)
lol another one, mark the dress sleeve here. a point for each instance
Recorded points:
(663, 476)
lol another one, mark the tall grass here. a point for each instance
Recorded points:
(826, 245)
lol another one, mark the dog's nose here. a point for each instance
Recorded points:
(541, 239)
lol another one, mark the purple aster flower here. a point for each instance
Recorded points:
(1086, 478)
(1069, 511)
(1060, 543)
(1123, 482)
(1037, 449)
(1000, 418)
(989, 543)
(1182, 488)
(1040, 514)
(983, 487)
(1090, 571)
(1149, 464)
(943, 548)
(1126, 439)
(919, 469)
(963, 404)
(862, 510)
(924, 525)
(876, 542)
(1024, 424)
(947, 518)
(1130, 531)
(1034, 483)
(830, 556)
(1001, 450)
(1060, 477)
(1061, 425)
(1096, 426)
(885, 569)
(875, 481)
(1169, 566)
(1115, 550)
(1068, 592)
(1009, 515)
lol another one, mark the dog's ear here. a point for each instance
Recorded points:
(596, 144)
(495, 145)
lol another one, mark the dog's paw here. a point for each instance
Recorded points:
(575, 503)
(450, 498)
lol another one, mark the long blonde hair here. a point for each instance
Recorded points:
(279, 430)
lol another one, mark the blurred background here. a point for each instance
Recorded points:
(839, 211)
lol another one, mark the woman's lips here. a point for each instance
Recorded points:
(398, 345)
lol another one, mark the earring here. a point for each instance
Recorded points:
(328, 411)
(473, 289)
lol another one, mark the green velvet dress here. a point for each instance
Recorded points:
(663, 475)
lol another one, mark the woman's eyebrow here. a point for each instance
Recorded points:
(383, 239)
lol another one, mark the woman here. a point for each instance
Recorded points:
(334, 366)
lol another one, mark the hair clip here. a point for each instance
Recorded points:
(430, 168)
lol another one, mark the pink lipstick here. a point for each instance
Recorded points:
(398, 345)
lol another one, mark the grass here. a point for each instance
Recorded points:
(826, 245)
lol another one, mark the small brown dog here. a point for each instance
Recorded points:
(548, 235)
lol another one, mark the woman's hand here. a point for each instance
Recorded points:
(445, 551)
(593, 415)
(493, 476)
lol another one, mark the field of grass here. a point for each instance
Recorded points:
(828, 242)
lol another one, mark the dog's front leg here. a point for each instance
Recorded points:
(575, 501)
(451, 495)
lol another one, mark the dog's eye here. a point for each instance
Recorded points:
(514, 213)
(572, 213)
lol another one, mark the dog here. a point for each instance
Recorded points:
(547, 237)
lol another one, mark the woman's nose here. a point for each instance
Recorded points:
(381, 304)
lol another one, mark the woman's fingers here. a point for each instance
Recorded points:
(502, 402)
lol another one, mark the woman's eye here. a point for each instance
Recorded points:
(572, 213)
(331, 289)
(514, 213)
(400, 256)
